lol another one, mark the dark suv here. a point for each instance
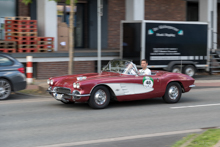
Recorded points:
(12, 77)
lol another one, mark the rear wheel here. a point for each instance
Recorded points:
(189, 70)
(100, 97)
(5, 89)
(176, 69)
(173, 93)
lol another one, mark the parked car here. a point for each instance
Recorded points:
(12, 77)
(120, 81)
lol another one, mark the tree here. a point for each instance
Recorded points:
(71, 31)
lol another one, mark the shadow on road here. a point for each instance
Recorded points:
(126, 104)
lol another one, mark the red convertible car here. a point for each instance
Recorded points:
(119, 81)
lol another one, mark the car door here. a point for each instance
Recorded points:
(149, 85)
(6, 65)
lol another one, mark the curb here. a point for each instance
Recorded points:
(32, 95)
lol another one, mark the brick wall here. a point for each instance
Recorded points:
(116, 13)
(51, 69)
(173, 10)
(23, 10)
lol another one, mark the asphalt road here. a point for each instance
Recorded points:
(43, 121)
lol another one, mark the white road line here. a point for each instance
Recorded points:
(122, 138)
(194, 106)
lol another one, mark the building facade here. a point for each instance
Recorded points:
(114, 11)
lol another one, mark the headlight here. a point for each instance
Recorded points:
(51, 82)
(78, 85)
(48, 81)
(74, 85)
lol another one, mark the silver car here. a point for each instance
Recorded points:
(12, 76)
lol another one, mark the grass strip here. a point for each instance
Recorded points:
(208, 138)
(184, 140)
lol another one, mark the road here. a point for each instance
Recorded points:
(43, 121)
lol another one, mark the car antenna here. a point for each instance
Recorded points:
(181, 66)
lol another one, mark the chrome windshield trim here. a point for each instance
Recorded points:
(191, 86)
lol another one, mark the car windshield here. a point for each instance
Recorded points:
(121, 66)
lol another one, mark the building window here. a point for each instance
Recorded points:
(192, 11)
(63, 13)
(7, 9)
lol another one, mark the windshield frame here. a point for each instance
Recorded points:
(120, 66)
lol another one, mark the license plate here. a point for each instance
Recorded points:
(59, 96)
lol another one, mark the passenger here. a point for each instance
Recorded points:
(144, 70)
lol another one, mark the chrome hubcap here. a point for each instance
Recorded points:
(100, 97)
(189, 72)
(173, 92)
(5, 89)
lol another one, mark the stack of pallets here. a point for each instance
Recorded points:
(23, 31)
(8, 46)
(45, 44)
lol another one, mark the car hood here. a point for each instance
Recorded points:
(67, 81)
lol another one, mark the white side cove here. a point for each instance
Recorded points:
(128, 88)
(47, 19)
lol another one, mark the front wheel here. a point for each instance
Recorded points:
(5, 89)
(173, 93)
(100, 97)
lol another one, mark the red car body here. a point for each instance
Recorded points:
(121, 87)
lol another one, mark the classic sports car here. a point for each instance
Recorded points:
(119, 81)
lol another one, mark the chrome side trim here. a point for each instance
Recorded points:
(191, 86)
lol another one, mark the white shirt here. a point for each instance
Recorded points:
(145, 72)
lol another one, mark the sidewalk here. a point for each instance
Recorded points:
(200, 81)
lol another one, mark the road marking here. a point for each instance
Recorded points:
(122, 138)
(194, 106)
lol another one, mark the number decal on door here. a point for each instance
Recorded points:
(148, 82)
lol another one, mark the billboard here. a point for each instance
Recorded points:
(176, 42)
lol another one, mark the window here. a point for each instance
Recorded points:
(192, 11)
(5, 61)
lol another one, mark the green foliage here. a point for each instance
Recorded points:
(30, 1)
(26, 1)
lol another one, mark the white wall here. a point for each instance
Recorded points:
(135, 9)
(208, 13)
(47, 19)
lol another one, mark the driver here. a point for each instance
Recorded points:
(130, 69)
(144, 70)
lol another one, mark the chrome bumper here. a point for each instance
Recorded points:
(75, 94)
(191, 86)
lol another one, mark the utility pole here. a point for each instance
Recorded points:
(99, 14)
(71, 37)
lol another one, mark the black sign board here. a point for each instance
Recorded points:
(167, 42)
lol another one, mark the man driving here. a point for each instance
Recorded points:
(144, 70)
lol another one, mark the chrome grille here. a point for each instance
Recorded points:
(63, 90)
